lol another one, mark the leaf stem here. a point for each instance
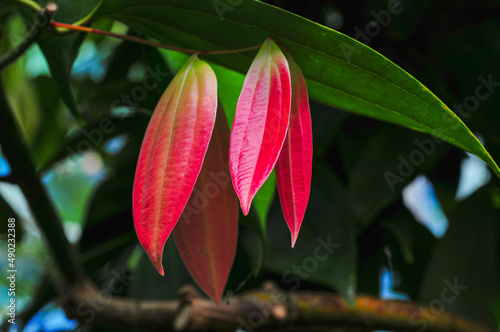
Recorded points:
(42, 19)
(147, 42)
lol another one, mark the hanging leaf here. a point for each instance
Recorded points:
(340, 71)
(172, 154)
(207, 231)
(294, 167)
(260, 123)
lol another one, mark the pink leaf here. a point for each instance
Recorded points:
(172, 153)
(294, 167)
(260, 123)
(207, 231)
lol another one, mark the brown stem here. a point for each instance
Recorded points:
(147, 42)
(257, 310)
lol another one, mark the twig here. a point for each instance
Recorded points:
(23, 170)
(42, 19)
(258, 310)
(147, 42)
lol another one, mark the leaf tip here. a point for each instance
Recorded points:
(245, 202)
(245, 207)
(294, 239)
(159, 267)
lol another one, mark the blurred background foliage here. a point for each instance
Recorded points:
(397, 241)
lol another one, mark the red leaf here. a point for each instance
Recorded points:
(294, 167)
(260, 123)
(172, 153)
(207, 231)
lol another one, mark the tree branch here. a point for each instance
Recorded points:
(42, 19)
(23, 170)
(267, 309)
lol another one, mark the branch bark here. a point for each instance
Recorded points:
(267, 309)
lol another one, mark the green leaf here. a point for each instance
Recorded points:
(51, 129)
(229, 85)
(116, 89)
(74, 11)
(60, 50)
(94, 135)
(467, 255)
(325, 251)
(340, 71)
(86, 5)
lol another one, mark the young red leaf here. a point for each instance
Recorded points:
(260, 122)
(207, 231)
(294, 166)
(172, 153)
